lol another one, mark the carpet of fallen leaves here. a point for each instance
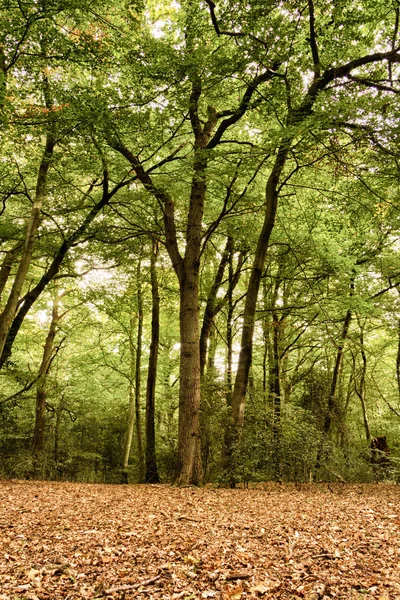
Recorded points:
(64, 540)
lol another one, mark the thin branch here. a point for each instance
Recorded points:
(372, 84)
(21, 391)
(243, 106)
(387, 289)
(239, 34)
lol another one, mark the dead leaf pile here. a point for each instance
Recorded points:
(70, 541)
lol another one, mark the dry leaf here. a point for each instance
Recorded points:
(233, 593)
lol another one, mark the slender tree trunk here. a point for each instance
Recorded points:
(3, 79)
(131, 406)
(227, 448)
(398, 356)
(229, 334)
(151, 462)
(212, 350)
(276, 394)
(294, 119)
(246, 347)
(361, 389)
(235, 426)
(41, 391)
(138, 384)
(30, 298)
(8, 313)
(214, 306)
(335, 378)
(57, 428)
(336, 373)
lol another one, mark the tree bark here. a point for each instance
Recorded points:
(151, 475)
(246, 347)
(30, 298)
(3, 79)
(7, 316)
(41, 390)
(131, 406)
(57, 428)
(229, 333)
(138, 381)
(398, 357)
(276, 393)
(335, 378)
(361, 389)
(6, 266)
(187, 269)
(213, 306)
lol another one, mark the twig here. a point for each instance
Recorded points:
(134, 586)
(237, 575)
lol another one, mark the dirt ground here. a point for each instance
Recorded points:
(65, 540)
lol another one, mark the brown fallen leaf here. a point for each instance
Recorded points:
(233, 593)
(260, 589)
(317, 592)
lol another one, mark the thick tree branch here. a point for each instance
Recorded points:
(242, 108)
(313, 40)
(334, 73)
(165, 200)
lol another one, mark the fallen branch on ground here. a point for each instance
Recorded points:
(134, 586)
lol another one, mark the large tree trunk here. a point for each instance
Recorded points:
(189, 392)
(151, 475)
(41, 391)
(187, 269)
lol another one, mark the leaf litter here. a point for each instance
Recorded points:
(70, 541)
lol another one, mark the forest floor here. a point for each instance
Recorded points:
(70, 541)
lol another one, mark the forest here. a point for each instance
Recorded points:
(199, 229)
